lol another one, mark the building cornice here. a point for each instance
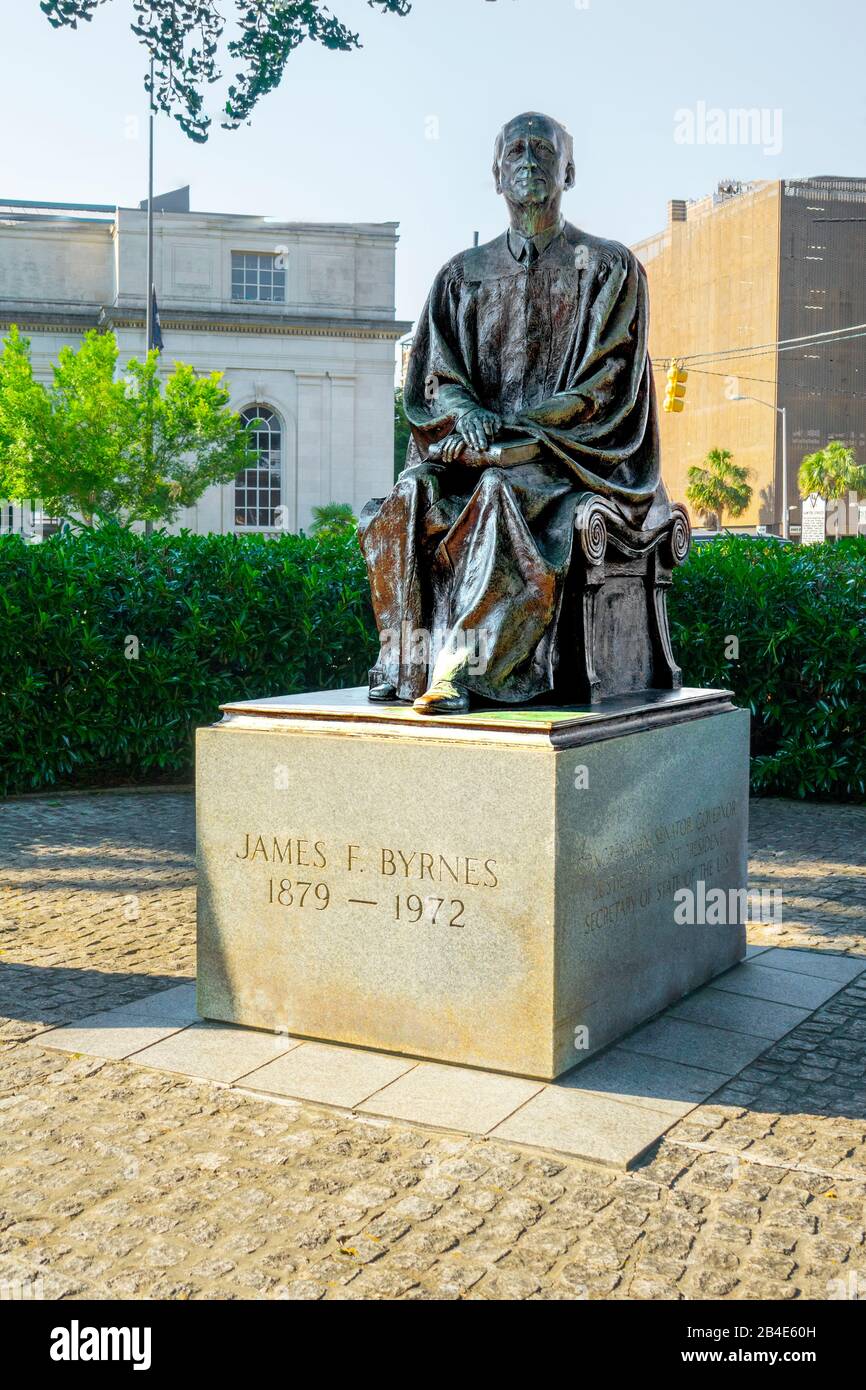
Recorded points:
(48, 320)
(106, 318)
(288, 325)
(246, 222)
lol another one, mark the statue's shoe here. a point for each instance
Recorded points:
(382, 694)
(443, 698)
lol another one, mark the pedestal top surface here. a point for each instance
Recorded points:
(353, 707)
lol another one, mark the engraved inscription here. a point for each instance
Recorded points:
(690, 848)
(294, 893)
(384, 867)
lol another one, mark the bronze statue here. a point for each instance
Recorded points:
(525, 549)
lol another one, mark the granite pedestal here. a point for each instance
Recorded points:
(495, 889)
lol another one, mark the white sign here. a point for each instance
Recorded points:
(814, 520)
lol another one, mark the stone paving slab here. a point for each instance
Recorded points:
(822, 965)
(609, 1110)
(447, 1097)
(328, 1074)
(649, 1082)
(676, 1039)
(778, 986)
(215, 1052)
(120, 1033)
(599, 1128)
(738, 1013)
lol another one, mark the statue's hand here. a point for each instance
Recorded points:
(478, 428)
(451, 448)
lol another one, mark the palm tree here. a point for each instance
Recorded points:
(332, 517)
(719, 486)
(832, 473)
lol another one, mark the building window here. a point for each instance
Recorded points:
(258, 489)
(258, 278)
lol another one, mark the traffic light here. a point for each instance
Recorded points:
(675, 395)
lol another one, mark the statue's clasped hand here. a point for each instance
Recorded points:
(478, 427)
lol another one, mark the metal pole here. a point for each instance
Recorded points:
(785, 513)
(783, 411)
(148, 525)
(149, 312)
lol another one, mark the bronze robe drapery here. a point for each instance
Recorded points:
(477, 560)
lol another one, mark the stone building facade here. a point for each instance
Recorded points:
(299, 316)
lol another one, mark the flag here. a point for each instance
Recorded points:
(157, 326)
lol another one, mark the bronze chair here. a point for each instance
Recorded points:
(618, 593)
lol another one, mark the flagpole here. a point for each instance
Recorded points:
(148, 525)
(149, 312)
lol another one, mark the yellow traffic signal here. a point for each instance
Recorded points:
(675, 395)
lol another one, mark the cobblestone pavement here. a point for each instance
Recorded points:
(119, 1182)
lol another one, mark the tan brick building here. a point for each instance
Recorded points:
(731, 276)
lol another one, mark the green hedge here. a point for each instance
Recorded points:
(217, 618)
(799, 615)
(222, 617)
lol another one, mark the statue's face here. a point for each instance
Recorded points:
(534, 167)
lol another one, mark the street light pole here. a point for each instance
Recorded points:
(780, 410)
(784, 414)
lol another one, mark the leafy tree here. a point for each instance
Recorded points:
(184, 37)
(832, 473)
(719, 486)
(96, 447)
(402, 433)
(333, 517)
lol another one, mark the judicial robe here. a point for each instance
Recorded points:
(477, 558)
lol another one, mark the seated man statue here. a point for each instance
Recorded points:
(528, 386)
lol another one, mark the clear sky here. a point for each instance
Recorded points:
(403, 129)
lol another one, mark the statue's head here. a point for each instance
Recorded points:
(533, 162)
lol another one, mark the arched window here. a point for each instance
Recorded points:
(258, 489)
